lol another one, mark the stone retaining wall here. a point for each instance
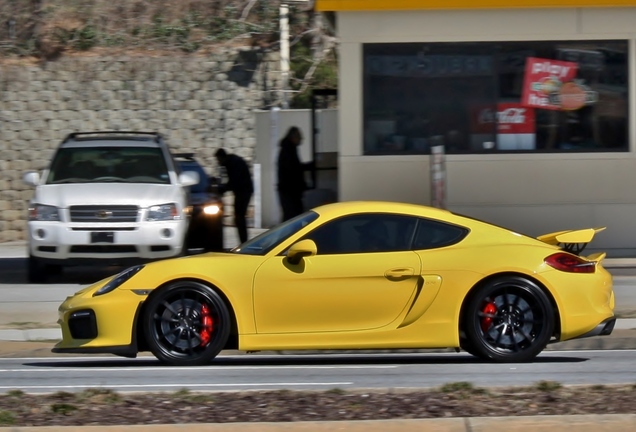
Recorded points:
(198, 103)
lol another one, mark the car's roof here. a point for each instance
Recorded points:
(346, 207)
(113, 139)
(489, 230)
(110, 143)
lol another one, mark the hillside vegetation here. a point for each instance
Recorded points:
(49, 29)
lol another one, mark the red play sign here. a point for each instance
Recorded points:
(543, 82)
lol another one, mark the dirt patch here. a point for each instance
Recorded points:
(105, 407)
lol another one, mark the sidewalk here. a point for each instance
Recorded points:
(580, 423)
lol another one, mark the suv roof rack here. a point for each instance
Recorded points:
(73, 135)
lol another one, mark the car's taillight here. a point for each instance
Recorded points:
(570, 263)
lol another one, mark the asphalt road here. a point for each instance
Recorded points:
(313, 372)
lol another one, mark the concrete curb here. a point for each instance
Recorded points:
(580, 423)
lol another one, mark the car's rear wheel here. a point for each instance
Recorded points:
(186, 324)
(508, 319)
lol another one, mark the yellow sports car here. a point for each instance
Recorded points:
(353, 275)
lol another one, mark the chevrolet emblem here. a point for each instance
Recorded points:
(103, 214)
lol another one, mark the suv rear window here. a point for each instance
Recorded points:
(108, 164)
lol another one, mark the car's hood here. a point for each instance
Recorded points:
(203, 198)
(66, 195)
(227, 271)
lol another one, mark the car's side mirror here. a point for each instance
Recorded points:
(303, 248)
(32, 178)
(189, 178)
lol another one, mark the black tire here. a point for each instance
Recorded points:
(509, 319)
(466, 346)
(175, 324)
(37, 272)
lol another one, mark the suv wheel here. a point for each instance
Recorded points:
(38, 272)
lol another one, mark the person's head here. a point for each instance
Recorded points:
(294, 135)
(221, 156)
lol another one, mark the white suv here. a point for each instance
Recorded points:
(107, 197)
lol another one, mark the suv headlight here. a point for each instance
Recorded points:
(118, 280)
(39, 212)
(163, 212)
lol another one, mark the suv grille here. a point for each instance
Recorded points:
(106, 214)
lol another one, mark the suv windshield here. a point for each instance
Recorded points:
(108, 164)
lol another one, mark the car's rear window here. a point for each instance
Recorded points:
(108, 165)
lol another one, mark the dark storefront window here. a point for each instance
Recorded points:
(543, 96)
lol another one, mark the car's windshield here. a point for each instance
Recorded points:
(271, 238)
(108, 164)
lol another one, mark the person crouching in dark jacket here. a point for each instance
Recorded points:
(240, 183)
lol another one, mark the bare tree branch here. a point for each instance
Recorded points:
(247, 9)
(317, 60)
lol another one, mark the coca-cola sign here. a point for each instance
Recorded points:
(510, 118)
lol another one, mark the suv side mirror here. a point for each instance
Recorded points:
(189, 178)
(32, 178)
(303, 248)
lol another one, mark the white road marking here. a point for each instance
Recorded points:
(138, 369)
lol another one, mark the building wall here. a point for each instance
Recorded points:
(532, 193)
(198, 103)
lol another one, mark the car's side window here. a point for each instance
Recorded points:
(366, 232)
(432, 234)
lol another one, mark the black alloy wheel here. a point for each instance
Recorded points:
(186, 324)
(509, 319)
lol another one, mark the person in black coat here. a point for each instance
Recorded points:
(291, 176)
(240, 183)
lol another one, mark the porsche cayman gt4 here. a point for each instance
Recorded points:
(353, 275)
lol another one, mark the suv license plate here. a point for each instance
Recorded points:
(102, 237)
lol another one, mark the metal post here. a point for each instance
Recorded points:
(284, 53)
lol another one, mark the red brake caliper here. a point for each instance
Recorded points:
(207, 324)
(489, 309)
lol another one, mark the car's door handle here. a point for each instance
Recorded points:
(399, 273)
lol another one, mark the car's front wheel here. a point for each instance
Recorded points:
(186, 324)
(508, 319)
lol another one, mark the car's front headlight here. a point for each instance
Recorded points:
(163, 212)
(212, 209)
(118, 280)
(40, 212)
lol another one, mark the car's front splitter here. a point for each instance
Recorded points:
(129, 351)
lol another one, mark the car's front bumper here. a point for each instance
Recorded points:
(57, 242)
(101, 324)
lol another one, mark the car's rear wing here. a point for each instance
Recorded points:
(574, 241)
